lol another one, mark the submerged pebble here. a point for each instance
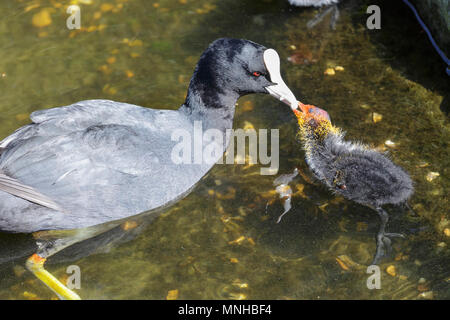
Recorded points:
(390, 143)
(423, 164)
(239, 284)
(432, 175)
(237, 241)
(329, 72)
(172, 295)
(41, 19)
(391, 270)
(426, 295)
(376, 117)
(238, 296)
(447, 232)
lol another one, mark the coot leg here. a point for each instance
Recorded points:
(49, 247)
(383, 238)
(322, 14)
(334, 17)
(35, 264)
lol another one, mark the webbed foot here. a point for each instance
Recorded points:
(384, 247)
(384, 241)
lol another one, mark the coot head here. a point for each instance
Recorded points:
(231, 68)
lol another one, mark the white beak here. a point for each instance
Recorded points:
(280, 90)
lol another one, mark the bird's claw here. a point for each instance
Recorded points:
(384, 247)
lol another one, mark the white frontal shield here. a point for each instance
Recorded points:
(280, 90)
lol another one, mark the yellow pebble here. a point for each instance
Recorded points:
(237, 241)
(172, 295)
(248, 125)
(426, 295)
(342, 264)
(329, 72)
(238, 296)
(390, 143)
(156, 5)
(135, 43)
(106, 7)
(105, 69)
(41, 19)
(31, 7)
(423, 164)
(234, 260)
(239, 284)
(339, 68)
(447, 232)
(30, 295)
(391, 270)
(129, 74)
(432, 175)
(376, 117)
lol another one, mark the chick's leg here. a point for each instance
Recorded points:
(383, 238)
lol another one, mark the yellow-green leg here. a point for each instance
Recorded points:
(35, 264)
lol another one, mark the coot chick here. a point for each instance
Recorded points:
(96, 162)
(352, 170)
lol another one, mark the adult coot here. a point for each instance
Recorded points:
(99, 161)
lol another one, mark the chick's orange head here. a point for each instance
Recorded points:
(310, 112)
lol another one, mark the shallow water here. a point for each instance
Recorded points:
(220, 242)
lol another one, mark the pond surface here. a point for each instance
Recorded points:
(222, 241)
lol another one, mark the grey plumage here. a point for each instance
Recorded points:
(369, 177)
(102, 160)
(16, 188)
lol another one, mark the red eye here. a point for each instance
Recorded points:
(256, 73)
